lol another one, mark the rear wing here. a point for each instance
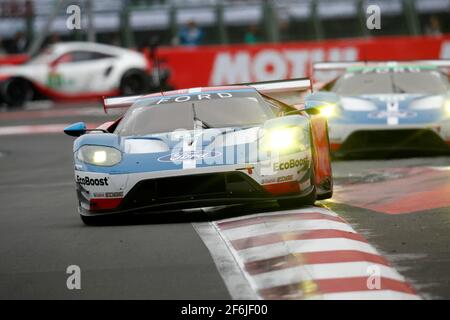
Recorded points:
(343, 65)
(119, 102)
(291, 92)
(325, 72)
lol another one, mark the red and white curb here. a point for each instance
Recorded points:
(308, 253)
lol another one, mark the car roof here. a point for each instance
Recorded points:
(62, 47)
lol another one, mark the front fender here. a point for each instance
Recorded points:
(98, 139)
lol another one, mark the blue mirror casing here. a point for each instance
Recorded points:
(76, 129)
(319, 99)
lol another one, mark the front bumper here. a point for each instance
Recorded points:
(348, 140)
(196, 191)
(192, 188)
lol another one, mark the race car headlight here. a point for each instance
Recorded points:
(284, 139)
(447, 107)
(99, 155)
(328, 110)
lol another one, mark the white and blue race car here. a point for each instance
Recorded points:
(388, 107)
(204, 147)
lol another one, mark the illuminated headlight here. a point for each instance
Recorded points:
(328, 110)
(447, 107)
(99, 155)
(285, 139)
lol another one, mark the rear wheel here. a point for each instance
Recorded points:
(16, 92)
(134, 82)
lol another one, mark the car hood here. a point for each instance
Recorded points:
(27, 70)
(175, 150)
(391, 109)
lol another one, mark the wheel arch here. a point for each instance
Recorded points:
(321, 157)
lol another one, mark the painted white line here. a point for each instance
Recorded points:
(232, 274)
(39, 105)
(284, 226)
(370, 295)
(303, 246)
(30, 129)
(322, 271)
(37, 128)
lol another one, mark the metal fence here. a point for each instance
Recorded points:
(135, 22)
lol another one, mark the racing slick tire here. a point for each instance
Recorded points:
(134, 82)
(325, 196)
(16, 92)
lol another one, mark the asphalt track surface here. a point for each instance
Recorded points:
(163, 257)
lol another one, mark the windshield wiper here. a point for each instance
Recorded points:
(395, 86)
(205, 125)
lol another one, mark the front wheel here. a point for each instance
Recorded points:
(324, 196)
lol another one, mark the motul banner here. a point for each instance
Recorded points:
(218, 65)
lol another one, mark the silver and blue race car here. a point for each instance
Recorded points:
(204, 147)
(388, 107)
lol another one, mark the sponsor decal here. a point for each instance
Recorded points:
(189, 155)
(86, 181)
(194, 97)
(390, 68)
(269, 180)
(113, 194)
(387, 114)
(108, 194)
(285, 178)
(265, 64)
(262, 62)
(57, 81)
(293, 163)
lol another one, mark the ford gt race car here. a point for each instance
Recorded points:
(75, 71)
(204, 147)
(388, 107)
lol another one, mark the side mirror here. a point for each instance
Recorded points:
(76, 129)
(322, 103)
(320, 99)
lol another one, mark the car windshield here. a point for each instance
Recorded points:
(209, 109)
(393, 81)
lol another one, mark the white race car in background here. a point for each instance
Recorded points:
(75, 71)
